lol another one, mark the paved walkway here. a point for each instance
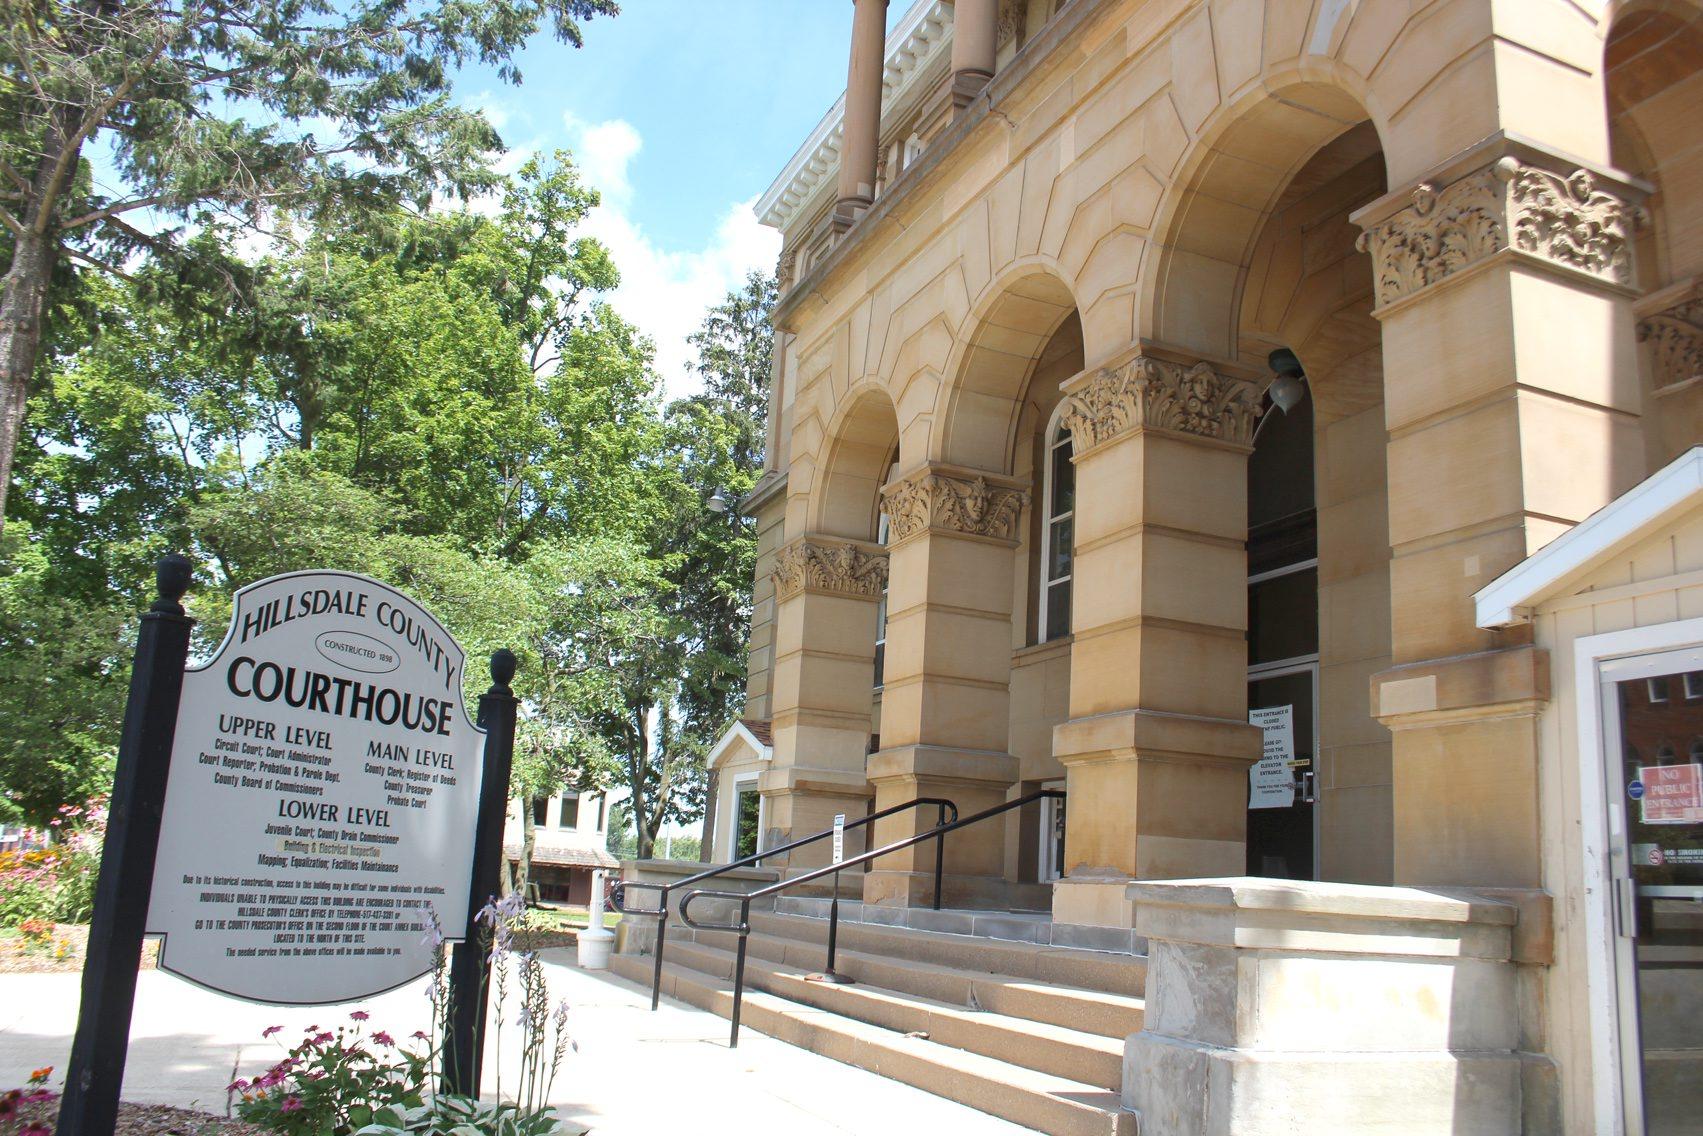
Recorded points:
(635, 1073)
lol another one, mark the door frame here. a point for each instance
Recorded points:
(1280, 668)
(1048, 866)
(1594, 660)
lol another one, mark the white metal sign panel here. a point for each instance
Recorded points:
(323, 795)
(1271, 783)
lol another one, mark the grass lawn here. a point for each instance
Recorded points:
(564, 918)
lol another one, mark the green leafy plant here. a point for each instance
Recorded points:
(333, 1082)
(464, 1117)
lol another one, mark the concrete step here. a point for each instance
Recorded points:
(1042, 1046)
(1098, 1012)
(1107, 971)
(1038, 1100)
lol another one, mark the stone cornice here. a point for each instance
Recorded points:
(769, 487)
(1147, 391)
(826, 564)
(946, 499)
(1515, 201)
(1670, 323)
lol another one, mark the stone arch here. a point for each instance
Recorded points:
(862, 440)
(1013, 322)
(1245, 158)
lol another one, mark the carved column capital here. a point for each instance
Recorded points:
(956, 501)
(1670, 324)
(786, 268)
(1145, 392)
(823, 564)
(1578, 220)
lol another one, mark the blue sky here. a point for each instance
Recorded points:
(681, 112)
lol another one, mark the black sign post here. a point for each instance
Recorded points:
(96, 1072)
(469, 966)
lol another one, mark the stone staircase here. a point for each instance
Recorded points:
(993, 1018)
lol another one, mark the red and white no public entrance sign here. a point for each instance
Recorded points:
(1673, 794)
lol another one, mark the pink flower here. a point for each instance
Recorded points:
(359, 1016)
(270, 1030)
(421, 1035)
(310, 1029)
(291, 1104)
(37, 1130)
(240, 1085)
(383, 1038)
(324, 1038)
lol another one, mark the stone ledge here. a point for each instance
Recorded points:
(1461, 687)
(1129, 733)
(1310, 897)
(989, 768)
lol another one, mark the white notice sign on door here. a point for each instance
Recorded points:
(1271, 783)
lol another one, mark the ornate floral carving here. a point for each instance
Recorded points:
(1161, 395)
(1675, 336)
(1569, 220)
(786, 269)
(1438, 235)
(843, 568)
(954, 504)
(1010, 22)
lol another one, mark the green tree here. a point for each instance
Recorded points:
(215, 114)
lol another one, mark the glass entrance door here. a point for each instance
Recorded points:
(1653, 713)
(1281, 795)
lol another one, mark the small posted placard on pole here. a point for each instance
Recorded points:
(839, 837)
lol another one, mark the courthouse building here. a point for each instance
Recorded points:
(1270, 422)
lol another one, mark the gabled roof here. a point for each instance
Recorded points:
(1635, 516)
(911, 45)
(754, 732)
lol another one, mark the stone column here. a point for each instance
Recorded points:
(1504, 285)
(974, 44)
(945, 704)
(860, 139)
(1281, 1006)
(1158, 744)
(826, 592)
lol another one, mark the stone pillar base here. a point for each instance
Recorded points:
(1284, 1006)
(1155, 795)
(846, 212)
(801, 802)
(1093, 901)
(973, 780)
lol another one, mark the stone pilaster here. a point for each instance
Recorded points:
(945, 709)
(826, 593)
(1670, 335)
(1158, 746)
(1512, 398)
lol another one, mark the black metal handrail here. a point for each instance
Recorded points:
(618, 894)
(744, 898)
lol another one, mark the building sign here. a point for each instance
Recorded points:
(839, 837)
(323, 795)
(1673, 794)
(1271, 782)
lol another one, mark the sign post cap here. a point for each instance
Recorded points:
(172, 575)
(503, 666)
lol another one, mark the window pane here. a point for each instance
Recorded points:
(1283, 617)
(1059, 548)
(570, 812)
(1064, 476)
(541, 810)
(1058, 610)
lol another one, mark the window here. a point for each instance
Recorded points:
(1058, 531)
(747, 815)
(602, 812)
(541, 810)
(881, 614)
(570, 812)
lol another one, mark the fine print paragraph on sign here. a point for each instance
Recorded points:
(323, 795)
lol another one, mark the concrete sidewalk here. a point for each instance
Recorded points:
(635, 1073)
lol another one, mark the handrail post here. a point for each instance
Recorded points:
(830, 975)
(739, 971)
(939, 858)
(661, 937)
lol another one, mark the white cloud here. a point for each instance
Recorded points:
(665, 291)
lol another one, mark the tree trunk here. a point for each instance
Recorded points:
(528, 841)
(641, 762)
(23, 295)
(23, 307)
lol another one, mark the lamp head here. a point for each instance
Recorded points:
(717, 502)
(1289, 387)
